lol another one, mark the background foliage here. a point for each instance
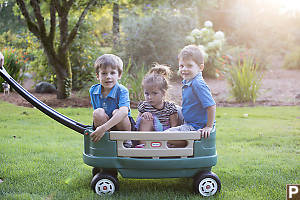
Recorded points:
(244, 79)
(155, 37)
(15, 62)
(292, 59)
(211, 43)
(155, 31)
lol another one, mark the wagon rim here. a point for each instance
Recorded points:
(208, 187)
(105, 187)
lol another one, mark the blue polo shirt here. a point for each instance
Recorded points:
(117, 97)
(196, 97)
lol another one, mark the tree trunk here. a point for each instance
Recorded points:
(64, 85)
(116, 25)
(62, 67)
(64, 76)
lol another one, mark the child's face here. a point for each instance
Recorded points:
(108, 77)
(154, 96)
(188, 69)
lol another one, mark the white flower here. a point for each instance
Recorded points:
(190, 39)
(215, 44)
(204, 32)
(219, 35)
(208, 24)
(196, 33)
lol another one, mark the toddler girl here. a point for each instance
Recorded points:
(155, 113)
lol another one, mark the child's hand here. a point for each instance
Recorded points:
(147, 116)
(98, 134)
(205, 132)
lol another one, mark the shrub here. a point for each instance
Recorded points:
(244, 80)
(292, 60)
(37, 61)
(156, 37)
(14, 63)
(133, 81)
(211, 43)
(83, 52)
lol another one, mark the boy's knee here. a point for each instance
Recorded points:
(99, 113)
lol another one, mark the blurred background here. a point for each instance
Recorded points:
(257, 34)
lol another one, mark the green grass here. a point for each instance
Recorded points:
(41, 159)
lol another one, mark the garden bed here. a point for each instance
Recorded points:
(279, 87)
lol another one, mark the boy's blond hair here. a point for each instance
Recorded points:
(109, 60)
(192, 52)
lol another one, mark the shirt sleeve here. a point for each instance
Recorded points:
(124, 98)
(92, 96)
(203, 93)
(141, 107)
(171, 108)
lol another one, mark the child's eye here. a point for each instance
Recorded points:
(180, 66)
(146, 93)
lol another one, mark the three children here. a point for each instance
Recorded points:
(111, 102)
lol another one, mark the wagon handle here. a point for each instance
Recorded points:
(76, 126)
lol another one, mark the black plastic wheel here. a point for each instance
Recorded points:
(207, 184)
(104, 184)
(112, 172)
(96, 170)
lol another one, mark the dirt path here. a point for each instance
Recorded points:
(279, 87)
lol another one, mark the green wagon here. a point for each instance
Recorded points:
(109, 157)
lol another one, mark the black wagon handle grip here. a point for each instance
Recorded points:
(76, 126)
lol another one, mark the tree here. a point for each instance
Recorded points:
(116, 25)
(58, 56)
(10, 22)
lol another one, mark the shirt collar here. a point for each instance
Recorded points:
(112, 93)
(188, 83)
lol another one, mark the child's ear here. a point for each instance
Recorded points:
(201, 67)
(120, 76)
(97, 76)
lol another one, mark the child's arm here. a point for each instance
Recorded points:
(205, 132)
(174, 120)
(116, 118)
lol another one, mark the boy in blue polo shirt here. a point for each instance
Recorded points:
(198, 106)
(110, 99)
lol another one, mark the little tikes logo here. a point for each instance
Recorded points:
(293, 191)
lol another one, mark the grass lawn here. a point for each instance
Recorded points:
(40, 159)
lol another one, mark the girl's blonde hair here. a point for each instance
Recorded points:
(158, 76)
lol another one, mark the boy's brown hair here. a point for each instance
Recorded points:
(192, 52)
(109, 60)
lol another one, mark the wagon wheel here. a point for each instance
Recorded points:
(207, 184)
(112, 172)
(104, 184)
